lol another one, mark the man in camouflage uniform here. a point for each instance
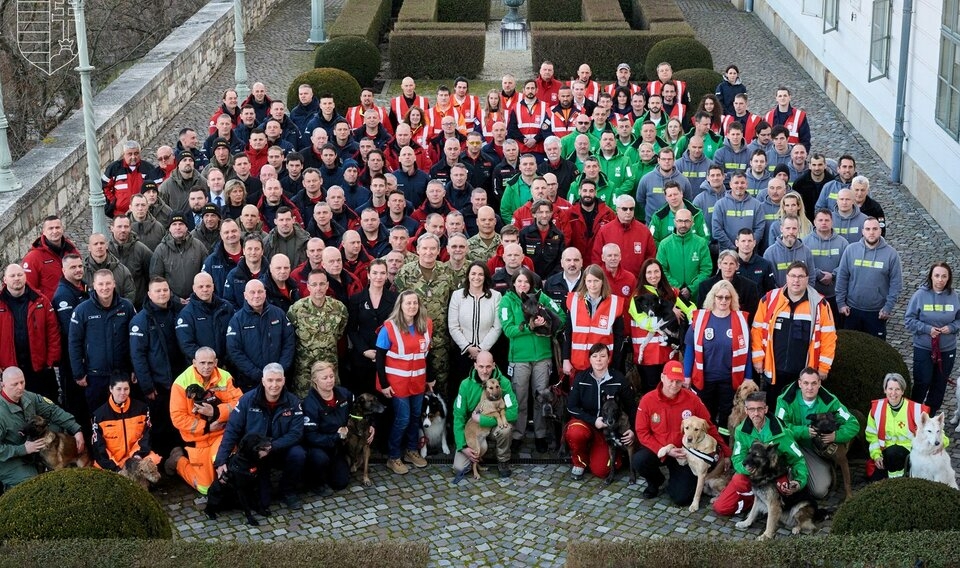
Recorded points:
(319, 322)
(483, 246)
(433, 281)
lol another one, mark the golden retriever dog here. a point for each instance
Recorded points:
(739, 412)
(702, 457)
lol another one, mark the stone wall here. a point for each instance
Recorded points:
(133, 107)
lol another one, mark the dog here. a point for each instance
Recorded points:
(200, 395)
(739, 412)
(240, 482)
(532, 309)
(491, 404)
(553, 408)
(61, 449)
(826, 423)
(362, 415)
(667, 324)
(434, 421)
(767, 467)
(618, 422)
(928, 460)
(702, 459)
(143, 472)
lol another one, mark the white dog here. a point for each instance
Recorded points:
(956, 413)
(928, 460)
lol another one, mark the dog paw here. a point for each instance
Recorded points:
(743, 525)
(367, 482)
(476, 476)
(765, 537)
(694, 507)
(252, 522)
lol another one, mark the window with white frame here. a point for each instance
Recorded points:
(831, 15)
(880, 39)
(948, 75)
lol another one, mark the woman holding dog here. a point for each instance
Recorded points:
(716, 360)
(531, 354)
(650, 348)
(402, 347)
(596, 316)
(933, 316)
(121, 429)
(472, 320)
(326, 410)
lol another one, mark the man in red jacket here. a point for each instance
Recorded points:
(636, 242)
(29, 333)
(42, 263)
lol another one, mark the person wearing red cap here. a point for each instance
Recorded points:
(658, 429)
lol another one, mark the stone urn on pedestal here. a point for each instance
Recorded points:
(513, 28)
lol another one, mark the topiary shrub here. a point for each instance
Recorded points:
(345, 89)
(681, 53)
(353, 54)
(899, 505)
(81, 503)
(859, 365)
(699, 82)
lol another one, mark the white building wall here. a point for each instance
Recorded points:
(839, 61)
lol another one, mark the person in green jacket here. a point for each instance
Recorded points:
(471, 390)
(685, 257)
(581, 125)
(516, 190)
(759, 426)
(806, 397)
(591, 171)
(701, 127)
(620, 170)
(17, 409)
(530, 355)
(661, 224)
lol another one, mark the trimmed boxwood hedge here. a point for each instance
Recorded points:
(899, 505)
(437, 53)
(652, 11)
(699, 81)
(681, 53)
(602, 11)
(353, 54)
(859, 365)
(553, 11)
(344, 88)
(367, 18)
(81, 502)
(418, 11)
(930, 548)
(179, 554)
(463, 11)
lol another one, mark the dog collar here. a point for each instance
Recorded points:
(709, 458)
(355, 417)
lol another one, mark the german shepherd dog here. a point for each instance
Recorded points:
(553, 404)
(767, 467)
(240, 482)
(618, 422)
(826, 423)
(143, 472)
(667, 323)
(532, 309)
(702, 459)
(363, 411)
(61, 449)
(928, 460)
(200, 395)
(491, 404)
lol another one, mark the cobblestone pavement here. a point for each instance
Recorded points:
(528, 518)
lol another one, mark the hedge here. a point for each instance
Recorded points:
(418, 11)
(602, 11)
(699, 81)
(367, 18)
(602, 50)
(353, 54)
(553, 11)
(447, 26)
(437, 53)
(859, 365)
(179, 554)
(899, 505)
(647, 12)
(344, 88)
(927, 548)
(681, 53)
(463, 11)
(579, 26)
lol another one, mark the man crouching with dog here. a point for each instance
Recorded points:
(465, 409)
(17, 406)
(658, 425)
(800, 403)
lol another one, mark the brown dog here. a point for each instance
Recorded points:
(61, 449)
(701, 450)
(143, 472)
(363, 411)
(491, 404)
(739, 412)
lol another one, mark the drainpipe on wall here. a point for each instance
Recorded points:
(898, 135)
(748, 6)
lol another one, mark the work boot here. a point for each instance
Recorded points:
(415, 458)
(397, 466)
(504, 469)
(170, 466)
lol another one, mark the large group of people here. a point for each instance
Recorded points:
(546, 234)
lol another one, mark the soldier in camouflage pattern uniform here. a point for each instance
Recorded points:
(319, 321)
(434, 288)
(457, 249)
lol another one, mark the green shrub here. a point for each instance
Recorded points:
(930, 548)
(463, 11)
(323, 551)
(602, 11)
(438, 53)
(899, 505)
(81, 502)
(447, 26)
(418, 11)
(345, 89)
(595, 27)
(680, 53)
(553, 11)
(367, 18)
(648, 12)
(603, 50)
(699, 82)
(353, 54)
(859, 365)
